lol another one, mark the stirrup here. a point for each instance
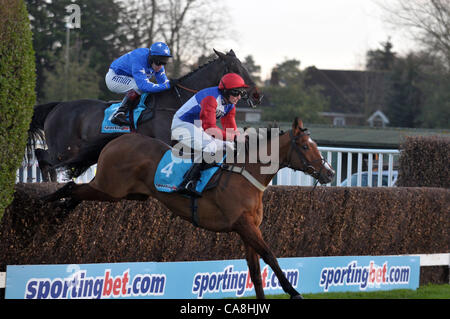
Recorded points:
(188, 185)
(188, 189)
(120, 119)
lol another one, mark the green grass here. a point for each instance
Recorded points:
(423, 292)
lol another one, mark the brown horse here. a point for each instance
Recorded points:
(126, 170)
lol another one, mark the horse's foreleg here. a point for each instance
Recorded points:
(255, 270)
(251, 235)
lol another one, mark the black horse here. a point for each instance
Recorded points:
(72, 130)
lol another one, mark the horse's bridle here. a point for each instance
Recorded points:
(307, 165)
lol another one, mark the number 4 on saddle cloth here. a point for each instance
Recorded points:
(171, 170)
(140, 109)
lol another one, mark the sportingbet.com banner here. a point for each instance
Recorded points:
(209, 279)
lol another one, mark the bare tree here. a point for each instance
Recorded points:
(175, 21)
(428, 22)
(139, 22)
(189, 27)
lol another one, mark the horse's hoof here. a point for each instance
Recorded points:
(299, 296)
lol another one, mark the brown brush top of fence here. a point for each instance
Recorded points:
(298, 222)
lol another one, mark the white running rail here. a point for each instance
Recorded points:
(345, 161)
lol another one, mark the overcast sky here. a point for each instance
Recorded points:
(330, 34)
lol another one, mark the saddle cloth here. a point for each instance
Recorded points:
(170, 172)
(108, 127)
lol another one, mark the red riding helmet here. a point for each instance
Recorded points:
(232, 81)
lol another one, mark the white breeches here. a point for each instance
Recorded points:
(120, 83)
(193, 137)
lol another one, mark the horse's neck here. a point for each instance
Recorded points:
(203, 77)
(265, 172)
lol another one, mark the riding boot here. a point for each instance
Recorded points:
(120, 116)
(191, 178)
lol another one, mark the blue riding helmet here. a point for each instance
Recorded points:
(160, 49)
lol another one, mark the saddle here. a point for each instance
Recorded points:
(148, 101)
(172, 168)
(144, 111)
(170, 174)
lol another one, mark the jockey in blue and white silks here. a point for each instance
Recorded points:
(131, 74)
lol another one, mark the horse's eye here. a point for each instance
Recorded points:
(305, 147)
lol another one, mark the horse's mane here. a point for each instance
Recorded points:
(197, 69)
(264, 133)
(269, 131)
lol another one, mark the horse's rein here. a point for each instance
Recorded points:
(185, 88)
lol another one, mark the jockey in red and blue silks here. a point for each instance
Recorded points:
(131, 74)
(194, 124)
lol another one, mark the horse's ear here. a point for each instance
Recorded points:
(231, 53)
(297, 126)
(219, 54)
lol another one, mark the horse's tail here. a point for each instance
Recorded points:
(40, 113)
(36, 129)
